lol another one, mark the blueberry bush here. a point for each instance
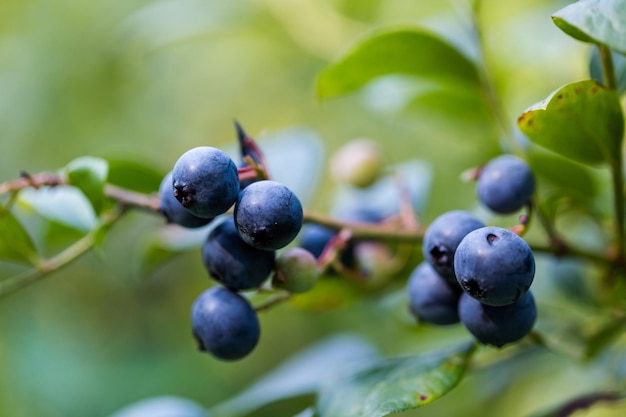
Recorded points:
(275, 289)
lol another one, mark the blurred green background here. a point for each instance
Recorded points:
(145, 81)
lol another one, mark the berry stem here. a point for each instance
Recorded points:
(486, 80)
(383, 232)
(272, 301)
(617, 164)
(618, 198)
(608, 69)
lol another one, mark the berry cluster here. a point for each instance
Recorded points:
(240, 249)
(476, 274)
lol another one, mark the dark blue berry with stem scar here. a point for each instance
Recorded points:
(268, 215)
(232, 261)
(443, 236)
(205, 181)
(498, 326)
(431, 298)
(505, 184)
(494, 265)
(224, 324)
(173, 211)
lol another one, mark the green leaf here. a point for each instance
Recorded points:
(595, 21)
(63, 204)
(582, 121)
(300, 375)
(134, 175)
(395, 384)
(562, 173)
(15, 243)
(89, 174)
(409, 51)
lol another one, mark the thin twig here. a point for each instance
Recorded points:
(45, 266)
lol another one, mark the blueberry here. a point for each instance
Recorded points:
(431, 298)
(233, 262)
(268, 215)
(494, 265)
(443, 236)
(315, 237)
(173, 211)
(505, 184)
(498, 326)
(224, 324)
(205, 181)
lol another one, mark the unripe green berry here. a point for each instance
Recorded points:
(358, 163)
(296, 271)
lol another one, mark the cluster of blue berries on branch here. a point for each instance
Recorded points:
(476, 274)
(471, 273)
(250, 220)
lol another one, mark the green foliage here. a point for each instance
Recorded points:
(15, 245)
(89, 175)
(409, 51)
(594, 21)
(392, 385)
(582, 121)
(63, 204)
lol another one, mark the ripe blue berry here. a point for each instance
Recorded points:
(494, 265)
(314, 238)
(442, 238)
(498, 326)
(205, 181)
(268, 215)
(173, 211)
(431, 298)
(232, 261)
(505, 184)
(224, 324)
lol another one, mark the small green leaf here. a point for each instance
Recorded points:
(409, 51)
(63, 204)
(15, 243)
(89, 174)
(134, 175)
(393, 385)
(573, 179)
(582, 121)
(300, 375)
(595, 21)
